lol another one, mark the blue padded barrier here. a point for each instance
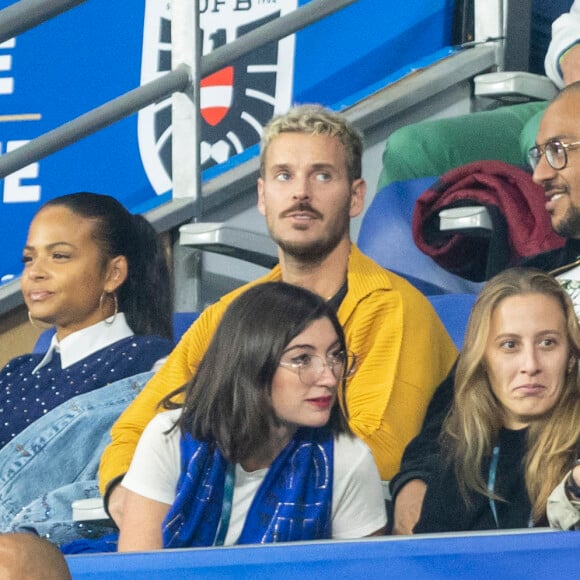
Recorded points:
(497, 555)
(386, 236)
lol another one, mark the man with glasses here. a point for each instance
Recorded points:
(310, 186)
(555, 161)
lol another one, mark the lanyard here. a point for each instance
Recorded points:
(491, 487)
(224, 524)
(491, 482)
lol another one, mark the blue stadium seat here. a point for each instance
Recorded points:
(454, 311)
(386, 236)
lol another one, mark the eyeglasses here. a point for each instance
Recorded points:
(556, 154)
(309, 367)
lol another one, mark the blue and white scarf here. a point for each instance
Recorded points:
(293, 503)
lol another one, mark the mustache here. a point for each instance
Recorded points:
(552, 183)
(302, 207)
(553, 189)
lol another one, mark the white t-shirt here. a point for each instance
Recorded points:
(358, 507)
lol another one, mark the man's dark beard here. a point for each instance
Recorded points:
(318, 250)
(312, 252)
(569, 226)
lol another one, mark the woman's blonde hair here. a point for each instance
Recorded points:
(472, 427)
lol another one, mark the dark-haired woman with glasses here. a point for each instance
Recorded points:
(260, 450)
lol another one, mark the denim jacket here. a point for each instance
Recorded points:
(55, 460)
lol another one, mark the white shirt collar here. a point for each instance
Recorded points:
(82, 343)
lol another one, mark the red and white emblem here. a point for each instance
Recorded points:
(216, 95)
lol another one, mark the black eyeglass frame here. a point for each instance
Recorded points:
(535, 153)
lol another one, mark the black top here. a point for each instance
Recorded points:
(445, 510)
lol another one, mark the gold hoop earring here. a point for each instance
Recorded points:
(111, 319)
(37, 324)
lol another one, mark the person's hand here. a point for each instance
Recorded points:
(570, 65)
(116, 504)
(408, 505)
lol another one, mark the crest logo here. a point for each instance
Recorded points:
(236, 101)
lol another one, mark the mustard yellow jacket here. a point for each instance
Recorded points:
(403, 350)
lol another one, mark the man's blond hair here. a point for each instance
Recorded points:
(316, 120)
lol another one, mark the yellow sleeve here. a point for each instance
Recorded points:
(179, 367)
(405, 353)
(177, 370)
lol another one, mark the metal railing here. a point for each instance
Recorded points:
(27, 14)
(375, 110)
(179, 79)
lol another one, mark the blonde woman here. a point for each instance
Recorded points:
(512, 431)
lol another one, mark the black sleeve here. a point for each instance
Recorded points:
(443, 509)
(111, 486)
(421, 457)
